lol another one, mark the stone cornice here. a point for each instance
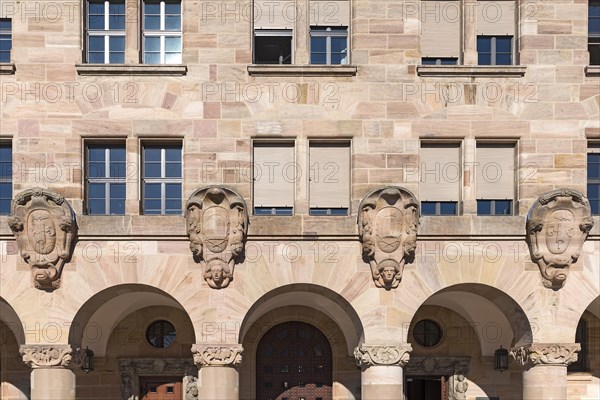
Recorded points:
(50, 356)
(489, 71)
(551, 354)
(382, 355)
(217, 355)
(131, 69)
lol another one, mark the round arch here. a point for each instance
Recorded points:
(484, 306)
(9, 316)
(320, 298)
(92, 325)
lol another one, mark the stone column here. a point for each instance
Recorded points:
(51, 375)
(382, 373)
(218, 377)
(545, 369)
(469, 37)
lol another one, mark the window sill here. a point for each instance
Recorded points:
(496, 71)
(581, 376)
(592, 70)
(7, 68)
(301, 70)
(131, 69)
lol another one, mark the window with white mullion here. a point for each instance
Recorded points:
(105, 43)
(105, 179)
(162, 179)
(162, 32)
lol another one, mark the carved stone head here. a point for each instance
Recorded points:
(217, 224)
(387, 223)
(558, 224)
(44, 226)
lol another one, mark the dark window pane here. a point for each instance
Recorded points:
(152, 7)
(152, 191)
(152, 170)
(484, 207)
(172, 44)
(173, 22)
(484, 44)
(117, 206)
(152, 58)
(97, 170)
(173, 170)
(484, 59)
(448, 208)
(173, 154)
(4, 56)
(5, 43)
(503, 44)
(503, 59)
(318, 44)
(173, 206)
(152, 44)
(97, 207)
(152, 153)
(449, 61)
(338, 58)
(97, 153)
(118, 170)
(173, 7)
(428, 61)
(5, 24)
(593, 167)
(116, 58)
(97, 191)
(152, 207)
(152, 22)
(96, 58)
(117, 43)
(338, 44)
(593, 190)
(503, 207)
(173, 190)
(318, 58)
(428, 208)
(117, 191)
(117, 153)
(96, 43)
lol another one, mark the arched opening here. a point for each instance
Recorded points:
(294, 360)
(141, 338)
(302, 305)
(454, 334)
(14, 374)
(583, 376)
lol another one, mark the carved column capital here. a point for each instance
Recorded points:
(217, 355)
(552, 354)
(50, 356)
(382, 355)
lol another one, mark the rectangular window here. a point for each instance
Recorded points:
(105, 34)
(439, 61)
(495, 178)
(440, 178)
(329, 178)
(594, 31)
(6, 173)
(161, 179)
(440, 31)
(272, 46)
(494, 50)
(329, 46)
(162, 32)
(593, 177)
(274, 178)
(5, 39)
(105, 179)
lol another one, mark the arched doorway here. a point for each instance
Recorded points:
(294, 361)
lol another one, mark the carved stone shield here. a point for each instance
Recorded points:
(388, 221)
(217, 224)
(44, 226)
(558, 224)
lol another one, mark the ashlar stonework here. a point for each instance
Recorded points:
(44, 226)
(558, 224)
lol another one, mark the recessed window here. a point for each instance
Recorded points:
(105, 33)
(439, 207)
(162, 32)
(495, 178)
(6, 173)
(593, 177)
(272, 46)
(329, 46)
(494, 50)
(494, 207)
(274, 178)
(441, 176)
(329, 177)
(427, 333)
(5, 39)
(594, 31)
(162, 172)
(161, 334)
(105, 179)
(439, 61)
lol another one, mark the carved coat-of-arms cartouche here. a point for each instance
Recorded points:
(387, 222)
(44, 226)
(217, 224)
(558, 224)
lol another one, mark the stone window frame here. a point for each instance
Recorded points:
(145, 142)
(106, 33)
(7, 143)
(133, 65)
(162, 32)
(328, 34)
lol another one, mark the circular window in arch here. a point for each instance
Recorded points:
(161, 334)
(427, 333)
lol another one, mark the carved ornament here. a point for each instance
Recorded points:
(374, 355)
(217, 355)
(217, 224)
(48, 356)
(387, 224)
(555, 354)
(558, 224)
(44, 226)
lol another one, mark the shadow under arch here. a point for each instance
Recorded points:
(94, 321)
(482, 305)
(320, 298)
(9, 316)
